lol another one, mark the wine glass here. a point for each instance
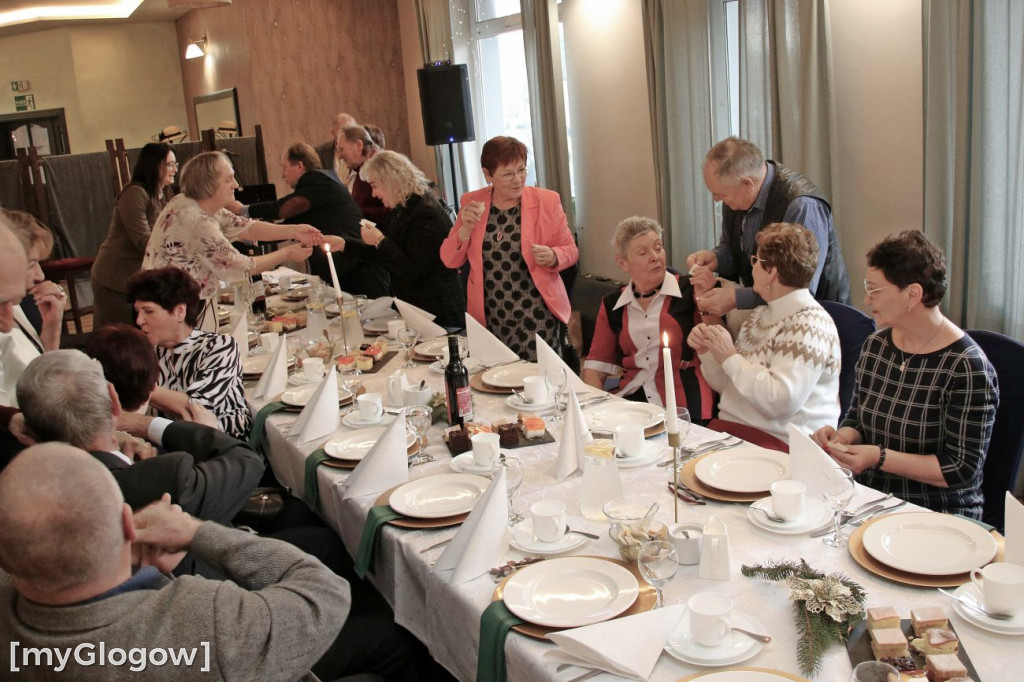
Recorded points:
(513, 479)
(874, 671)
(657, 563)
(555, 378)
(837, 487)
(419, 419)
(408, 338)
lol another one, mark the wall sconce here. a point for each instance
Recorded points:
(196, 48)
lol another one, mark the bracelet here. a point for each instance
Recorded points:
(881, 459)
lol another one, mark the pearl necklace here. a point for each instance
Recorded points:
(906, 358)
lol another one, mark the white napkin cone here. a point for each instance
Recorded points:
(384, 466)
(1013, 551)
(420, 320)
(627, 646)
(240, 333)
(547, 357)
(321, 416)
(484, 346)
(574, 435)
(807, 462)
(397, 383)
(272, 276)
(377, 307)
(275, 377)
(482, 541)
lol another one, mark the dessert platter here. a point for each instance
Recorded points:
(526, 430)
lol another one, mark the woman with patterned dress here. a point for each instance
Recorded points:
(516, 240)
(784, 366)
(194, 365)
(926, 396)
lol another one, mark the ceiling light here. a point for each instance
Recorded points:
(196, 48)
(115, 9)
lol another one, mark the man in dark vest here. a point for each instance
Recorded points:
(756, 193)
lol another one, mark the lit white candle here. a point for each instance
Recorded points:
(670, 387)
(334, 272)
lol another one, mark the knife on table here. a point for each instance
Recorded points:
(858, 519)
(685, 494)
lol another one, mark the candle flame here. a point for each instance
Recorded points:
(664, 339)
(327, 247)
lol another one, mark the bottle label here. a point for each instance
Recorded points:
(464, 398)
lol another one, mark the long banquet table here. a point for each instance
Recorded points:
(446, 618)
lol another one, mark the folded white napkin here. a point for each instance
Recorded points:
(397, 383)
(574, 435)
(377, 307)
(272, 276)
(808, 462)
(482, 541)
(275, 377)
(547, 357)
(384, 466)
(627, 646)
(1014, 526)
(484, 346)
(420, 320)
(320, 417)
(240, 333)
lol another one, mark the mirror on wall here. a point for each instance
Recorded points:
(219, 111)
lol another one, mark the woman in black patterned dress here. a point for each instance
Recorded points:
(194, 365)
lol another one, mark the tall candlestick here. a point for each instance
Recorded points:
(334, 271)
(671, 424)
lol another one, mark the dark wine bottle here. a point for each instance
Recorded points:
(259, 301)
(456, 386)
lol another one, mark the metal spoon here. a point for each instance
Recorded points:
(771, 517)
(977, 607)
(592, 536)
(753, 635)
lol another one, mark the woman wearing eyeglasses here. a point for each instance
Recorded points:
(120, 254)
(516, 240)
(784, 365)
(926, 396)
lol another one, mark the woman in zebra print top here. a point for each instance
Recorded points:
(194, 365)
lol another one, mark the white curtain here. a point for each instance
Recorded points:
(974, 156)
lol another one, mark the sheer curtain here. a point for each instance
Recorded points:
(974, 156)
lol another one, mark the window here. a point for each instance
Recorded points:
(725, 67)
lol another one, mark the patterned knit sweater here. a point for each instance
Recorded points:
(786, 368)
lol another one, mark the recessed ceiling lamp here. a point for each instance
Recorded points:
(112, 9)
(196, 48)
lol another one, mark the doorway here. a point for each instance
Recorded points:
(45, 130)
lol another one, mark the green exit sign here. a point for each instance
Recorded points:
(24, 102)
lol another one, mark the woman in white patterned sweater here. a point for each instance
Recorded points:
(784, 366)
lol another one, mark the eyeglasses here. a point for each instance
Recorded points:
(508, 176)
(173, 165)
(754, 259)
(871, 292)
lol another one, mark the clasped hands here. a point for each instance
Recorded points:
(712, 338)
(710, 300)
(162, 535)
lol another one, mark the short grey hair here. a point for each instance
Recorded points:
(201, 173)
(60, 518)
(396, 172)
(631, 228)
(64, 397)
(737, 159)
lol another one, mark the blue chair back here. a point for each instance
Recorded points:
(854, 328)
(1006, 446)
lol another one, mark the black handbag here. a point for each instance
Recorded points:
(263, 505)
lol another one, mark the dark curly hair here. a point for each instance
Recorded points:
(167, 287)
(909, 258)
(128, 360)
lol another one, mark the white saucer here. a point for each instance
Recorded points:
(651, 453)
(516, 404)
(470, 364)
(353, 420)
(1014, 626)
(734, 649)
(299, 378)
(816, 513)
(522, 539)
(464, 464)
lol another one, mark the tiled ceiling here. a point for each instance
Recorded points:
(149, 10)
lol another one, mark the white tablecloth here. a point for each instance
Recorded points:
(447, 618)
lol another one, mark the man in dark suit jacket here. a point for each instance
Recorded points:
(65, 397)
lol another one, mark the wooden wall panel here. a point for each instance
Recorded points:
(297, 63)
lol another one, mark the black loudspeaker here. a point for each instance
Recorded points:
(447, 108)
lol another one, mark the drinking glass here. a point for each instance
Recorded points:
(658, 565)
(408, 338)
(837, 487)
(874, 671)
(513, 479)
(361, 303)
(555, 378)
(418, 418)
(684, 423)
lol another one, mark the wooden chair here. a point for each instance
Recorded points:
(68, 270)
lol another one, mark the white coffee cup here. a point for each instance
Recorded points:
(395, 326)
(313, 368)
(268, 341)
(284, 283)
(1002, 587)
(548, 520)
(629, 439)
(788, 499)
(709, 618)
(370, 406)
(415, 396)
(535, 389)
(688, 545)
(485, 448)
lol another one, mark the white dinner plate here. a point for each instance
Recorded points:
(927, 543)
(434, 497)
(570, 592)
(744, 676)
(523, 540)
(353, 420)
(1014, 626)
(379, 325)
(355, 445)
(816, 513)
(606, 416)
(515, 403)
(298, 378)
(255, 365)
(733, 649)
(432, 349)
(744, 469)
(510, 376)
(465, 464)
(651, 453)
(300, 397)
(470, 364)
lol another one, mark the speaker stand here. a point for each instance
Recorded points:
(455, 181)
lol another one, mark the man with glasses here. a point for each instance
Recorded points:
(755, 193)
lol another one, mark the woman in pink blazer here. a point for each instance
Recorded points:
(516, 240)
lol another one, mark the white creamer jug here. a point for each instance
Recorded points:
(714, 551)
